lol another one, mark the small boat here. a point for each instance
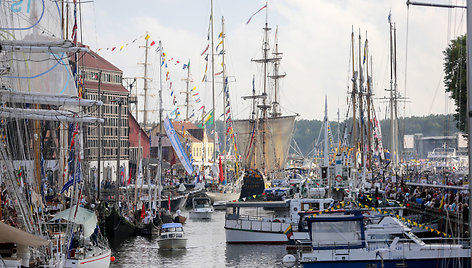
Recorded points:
(172, 236)
(202, 208)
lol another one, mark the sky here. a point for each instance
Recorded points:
(314, 36)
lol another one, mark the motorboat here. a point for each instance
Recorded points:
(339, 240)
(202, 208)
(172, 236)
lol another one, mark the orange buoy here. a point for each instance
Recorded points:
(112, 258)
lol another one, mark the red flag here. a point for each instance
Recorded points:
(113, 49)
(168, 202)
(153, 43)
(143, 212)
(222, 177)
(129, 178)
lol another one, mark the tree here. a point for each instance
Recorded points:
(455, 79)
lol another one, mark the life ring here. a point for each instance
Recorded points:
(339, 178)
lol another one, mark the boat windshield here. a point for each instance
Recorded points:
(172, 229)
(336, 233)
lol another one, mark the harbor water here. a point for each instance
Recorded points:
(206, 247)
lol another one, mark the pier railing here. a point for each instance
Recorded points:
(256, 223)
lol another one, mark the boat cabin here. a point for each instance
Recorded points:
(171, 230)
(337, 231)
(201, 202)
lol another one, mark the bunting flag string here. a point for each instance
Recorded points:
(121, 46)
(405, 220)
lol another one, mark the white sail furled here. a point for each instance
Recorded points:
(265, 147)
(34, 57)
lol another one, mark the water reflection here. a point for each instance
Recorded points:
(206, 247)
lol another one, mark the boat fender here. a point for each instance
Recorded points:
(112, 258)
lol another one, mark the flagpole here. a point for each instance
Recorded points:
(159, 168)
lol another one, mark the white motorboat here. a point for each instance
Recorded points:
(342, 240)
(202, 208)
(172, 236)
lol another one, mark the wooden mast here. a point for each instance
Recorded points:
(368, 98)
(225, 85)
(361, 102)
(353, 97)
(213, 83)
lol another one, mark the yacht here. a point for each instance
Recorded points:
(202, 208)
(340, 240)
(172, 236)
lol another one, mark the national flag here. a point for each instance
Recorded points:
(249, 20)
(209, 118)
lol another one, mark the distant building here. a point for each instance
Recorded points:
(99, 74)
(418, 146)
(134, 145)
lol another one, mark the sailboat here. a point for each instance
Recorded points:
(40, 95)
(229, 187)
(264, 139)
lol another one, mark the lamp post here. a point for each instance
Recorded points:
(120, 102)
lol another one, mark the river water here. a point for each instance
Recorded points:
(206, 247)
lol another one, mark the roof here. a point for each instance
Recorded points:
(132, 119)
(105, 86)
(93, 60)
(171, 225)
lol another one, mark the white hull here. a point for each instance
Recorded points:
(217, 196)
(100, 260)
(200, 214)
(172, 243)
(255, 237)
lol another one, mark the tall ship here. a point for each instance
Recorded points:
(264, 138)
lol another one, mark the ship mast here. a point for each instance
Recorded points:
(264, 106)
(213, 83)
(187, 93)
(369, 99)
(393, 96)
(361, 102)
(276, 76)
(224, 93)
(353, 97)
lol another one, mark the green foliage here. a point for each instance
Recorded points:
(455, 79)
(306, 131)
